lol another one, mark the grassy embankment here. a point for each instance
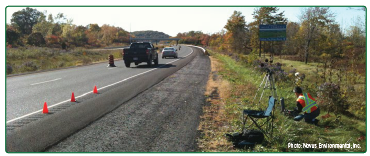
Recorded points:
(29, 59)
(232, 87)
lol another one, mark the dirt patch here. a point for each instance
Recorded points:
(215, 82)
(213, 122)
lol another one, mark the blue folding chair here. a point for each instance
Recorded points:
(254, 115)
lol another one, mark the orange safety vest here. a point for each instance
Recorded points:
(308, 103)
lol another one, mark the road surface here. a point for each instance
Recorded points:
(36, 132)
(26, 94)
(163, 118)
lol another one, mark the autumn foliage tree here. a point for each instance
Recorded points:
(92, 34)
(44, 26)
(293, 41)
(314, 19)
(191, 37)
(58, 30)
(236, 32)
(79, 36)
(52, 40)
(108, 34)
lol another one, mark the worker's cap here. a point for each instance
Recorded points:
(297, 90)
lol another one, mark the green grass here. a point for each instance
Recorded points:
(29, 59)
(347, 78)
(311, 68)
(330, 130)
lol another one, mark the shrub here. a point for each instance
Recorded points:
(52, 40)
(9, 69)
(251, 58)
(86, 60)
(279, 73)
(36, 39)
(331, 99)
(30, 66)
(12, 36)
(8, 45)
(64, 45)
(244, 58)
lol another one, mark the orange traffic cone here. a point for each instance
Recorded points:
(73, 97)
(45, 110)
(95, 90)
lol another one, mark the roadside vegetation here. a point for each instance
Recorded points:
(331, 63)
(38, 41)
(30, 59)
(236, 85)
(330, 60)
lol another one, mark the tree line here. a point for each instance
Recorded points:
(340, 55)
(149, 34)
(317, 35)
(32, 27)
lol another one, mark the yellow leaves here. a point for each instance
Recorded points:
(290, 75)
(325, 56)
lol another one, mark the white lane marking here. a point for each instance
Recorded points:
(36, 112)
(199, 47)
(92, 91)
(45, 81)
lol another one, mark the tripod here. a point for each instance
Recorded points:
(269, 83)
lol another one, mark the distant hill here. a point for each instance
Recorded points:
(150, 34)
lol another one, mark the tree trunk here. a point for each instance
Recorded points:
(306, 51)
(308, 43)
(260, 48)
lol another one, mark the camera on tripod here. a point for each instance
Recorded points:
(268, 70)
(268, 82)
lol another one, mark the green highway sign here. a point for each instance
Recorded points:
(272, 32)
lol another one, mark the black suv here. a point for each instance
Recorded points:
(140, 52)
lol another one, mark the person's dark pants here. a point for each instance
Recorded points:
(308, 117)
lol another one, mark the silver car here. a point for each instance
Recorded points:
(169, 52)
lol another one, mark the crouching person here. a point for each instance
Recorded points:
(307, 104)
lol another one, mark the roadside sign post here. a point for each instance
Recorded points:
(275, 32)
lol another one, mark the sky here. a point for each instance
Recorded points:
(172, 20)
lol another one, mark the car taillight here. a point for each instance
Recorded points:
(147, 51)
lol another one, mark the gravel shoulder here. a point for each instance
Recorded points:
(164, 118)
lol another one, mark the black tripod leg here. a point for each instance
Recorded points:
(244, 122)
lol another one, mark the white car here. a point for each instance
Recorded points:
(169, 52)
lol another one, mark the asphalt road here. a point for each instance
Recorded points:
(36, 132)
(26, 94)
(163, 118)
